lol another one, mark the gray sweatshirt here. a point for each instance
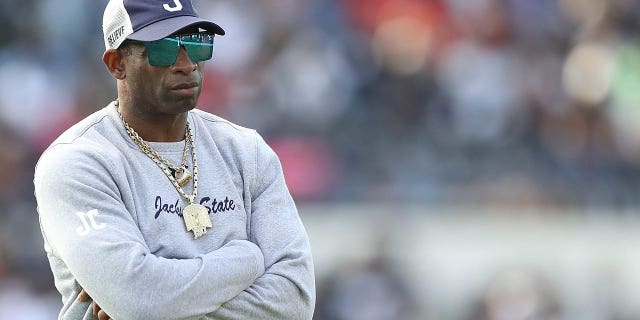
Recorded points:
(111, 222)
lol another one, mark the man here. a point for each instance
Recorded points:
(151, 209)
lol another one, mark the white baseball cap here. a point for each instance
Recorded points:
(149, 20)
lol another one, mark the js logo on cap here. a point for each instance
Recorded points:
(178, 6)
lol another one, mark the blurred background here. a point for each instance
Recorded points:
(451, 159)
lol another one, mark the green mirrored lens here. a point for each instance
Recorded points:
(164, 52)
(199, 46)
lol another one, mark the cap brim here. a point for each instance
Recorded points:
(166, 27)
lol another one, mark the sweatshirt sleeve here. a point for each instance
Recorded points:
(86, 225)
(287, 288)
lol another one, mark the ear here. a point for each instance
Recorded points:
(113, 60)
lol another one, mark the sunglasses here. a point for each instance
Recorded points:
(164, 52)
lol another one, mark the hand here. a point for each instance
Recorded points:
(97, 311)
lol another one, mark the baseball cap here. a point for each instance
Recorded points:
(149, 20)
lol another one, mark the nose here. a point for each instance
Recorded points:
(183, 63)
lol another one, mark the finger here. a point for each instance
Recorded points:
(83, 296)
(96, 308)
(103, 315)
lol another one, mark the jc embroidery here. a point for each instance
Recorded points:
(89, 223)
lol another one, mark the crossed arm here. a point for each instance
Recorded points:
(271, 277)
(287, 289)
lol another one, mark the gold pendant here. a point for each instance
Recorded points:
(196, 219)
(182, 176)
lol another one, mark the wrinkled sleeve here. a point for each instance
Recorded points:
(287, 288)
(86, 225)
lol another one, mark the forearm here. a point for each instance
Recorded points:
(285, 291)
(270, 297)
(147, 286)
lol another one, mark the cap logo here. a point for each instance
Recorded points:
(178, 6)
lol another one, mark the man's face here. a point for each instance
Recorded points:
(166, 90)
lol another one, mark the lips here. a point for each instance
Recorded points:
(186, 85)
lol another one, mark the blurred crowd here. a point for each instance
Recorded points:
(440, 102)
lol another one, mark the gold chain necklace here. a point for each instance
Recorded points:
(196, 216)
(181, 174)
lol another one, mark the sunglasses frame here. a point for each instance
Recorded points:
(164, 52)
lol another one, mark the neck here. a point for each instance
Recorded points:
(154, 128)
